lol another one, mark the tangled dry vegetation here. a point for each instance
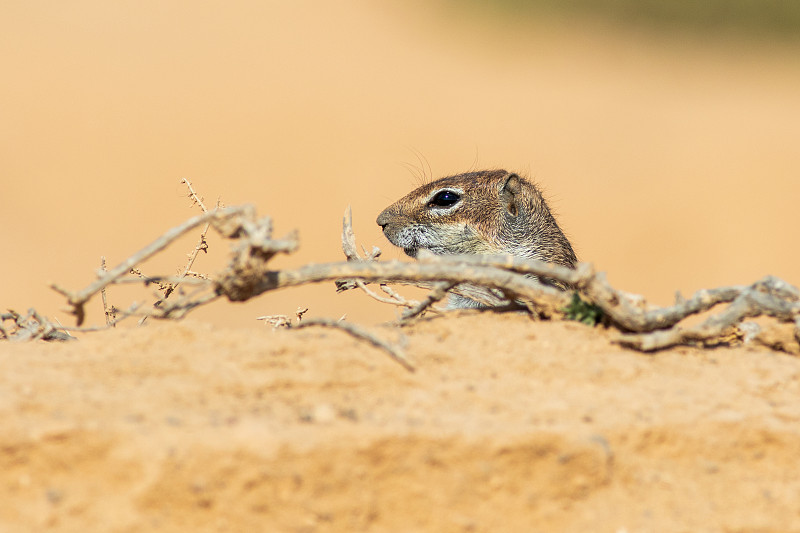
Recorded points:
(501, 282)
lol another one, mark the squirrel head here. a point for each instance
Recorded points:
(486, 212)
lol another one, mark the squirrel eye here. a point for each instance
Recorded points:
(445, 199)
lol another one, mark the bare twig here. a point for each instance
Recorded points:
(132, 311)
(182, 306)
(752, 301)
(438, 293)
(394, 298)
(79, 298)
(625, 311)
(106, 311)
(284, 321)
(202, 244)
(548, 300)
(140, 279)
(362, 334)
(373, 254)
(348, 236)
(492, 280)
(34, 326)
(392, 294)
(276, 321)
(193, 195)
(31, 326)
(350, 251)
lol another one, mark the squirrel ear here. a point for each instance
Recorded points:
(510, 194)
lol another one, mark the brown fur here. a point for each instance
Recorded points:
(499, 213)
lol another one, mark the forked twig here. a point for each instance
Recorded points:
(752, 301)
(169, 287)
(393, 299)
(202, 244)
(350, 250)
(438, 293)
(79, 298)
(283, 321)
(31, 326)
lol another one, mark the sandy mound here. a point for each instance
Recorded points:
(508, 423)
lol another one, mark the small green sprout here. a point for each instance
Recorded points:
(583, 312)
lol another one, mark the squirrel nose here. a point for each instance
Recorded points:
(383, 220)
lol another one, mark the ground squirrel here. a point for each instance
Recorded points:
(487, 212)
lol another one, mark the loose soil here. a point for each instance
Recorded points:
(507, 425)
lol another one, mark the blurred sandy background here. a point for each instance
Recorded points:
(670, 154)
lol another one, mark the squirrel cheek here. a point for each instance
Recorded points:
(403, 237)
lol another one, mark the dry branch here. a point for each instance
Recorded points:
(202, 244)
(770, 297)
(109, 313)
(362, 334)
(547, 299)
(168, 287)
(438, 293)
(79, 298)
(31, 326)
(494, 280)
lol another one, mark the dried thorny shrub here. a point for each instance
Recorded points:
(500, 282)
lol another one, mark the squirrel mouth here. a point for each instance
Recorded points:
(410, 252)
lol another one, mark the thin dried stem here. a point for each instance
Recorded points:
(549, 300)
(141, 279)
(391, 292)
(348, 236)
(438, 293)
(395, 299)
(201, 246)
(193, 195)
(276, 321)
(106, 311)
(493, 280)
(750, 302)
(79, 298)
(31, 326)
(361, 334)
(128, 313)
